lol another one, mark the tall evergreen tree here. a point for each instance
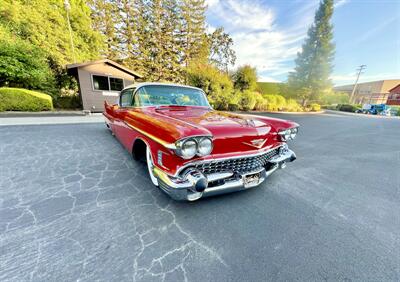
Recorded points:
(105, 20)
(314, 63)
(164, 49)
(194, 39)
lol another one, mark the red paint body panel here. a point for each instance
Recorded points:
(157, 126)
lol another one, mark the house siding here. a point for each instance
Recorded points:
(93, 100)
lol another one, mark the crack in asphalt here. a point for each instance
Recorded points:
(71, 211)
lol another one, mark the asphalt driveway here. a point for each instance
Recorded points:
(75, 206)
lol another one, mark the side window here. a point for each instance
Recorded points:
(136, 98)
(125, 99)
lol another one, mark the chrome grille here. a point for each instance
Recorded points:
(240, 165)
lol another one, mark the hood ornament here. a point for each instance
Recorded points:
(257, 143)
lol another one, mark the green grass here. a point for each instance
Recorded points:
(18, 99)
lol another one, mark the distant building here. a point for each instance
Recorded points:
(101, 81)
(394, 96)
(374, 92)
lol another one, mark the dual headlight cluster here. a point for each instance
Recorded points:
(190, 147)
(288, 134)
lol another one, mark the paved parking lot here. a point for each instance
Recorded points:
(75, 206)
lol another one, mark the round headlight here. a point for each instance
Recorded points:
(188, 149)
(204, 146)
(293, 132)
(285, 134)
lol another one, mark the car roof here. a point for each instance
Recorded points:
(137, 85)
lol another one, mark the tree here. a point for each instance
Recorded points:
(46, 28)
(314, 63)
(216, 84)
(193, 36)
(245, 78)
(24, 65)
(221, 53)
(105, 17)
(165, 52)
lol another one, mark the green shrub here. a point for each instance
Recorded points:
(275, 102)
(292, 106)
(347, 108)
(17, 99)
(314, 107)
(233, 107)
(261, 103)
(248, 100)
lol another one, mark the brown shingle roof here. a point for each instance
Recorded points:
(106, 61)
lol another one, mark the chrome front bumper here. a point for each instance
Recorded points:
(194, 185)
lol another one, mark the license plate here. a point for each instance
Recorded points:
(251, 179)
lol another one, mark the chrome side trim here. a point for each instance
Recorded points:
(152, 137)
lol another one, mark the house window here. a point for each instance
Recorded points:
(116, 84)
(100, 82)
(106, 83)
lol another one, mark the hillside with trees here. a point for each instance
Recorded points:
(164, 40)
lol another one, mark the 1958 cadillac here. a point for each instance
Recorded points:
(193, 151)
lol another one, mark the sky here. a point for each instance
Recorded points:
(268, 34)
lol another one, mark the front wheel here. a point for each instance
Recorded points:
(150, 166)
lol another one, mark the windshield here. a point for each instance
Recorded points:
(159, 95)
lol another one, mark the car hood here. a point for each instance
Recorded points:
(230, 131)
(217, 122)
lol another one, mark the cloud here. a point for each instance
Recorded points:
(259, 39)
(211, 3)
(267, 79)
(339, 3)
(240, 14)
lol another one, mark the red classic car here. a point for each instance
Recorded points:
(193, 151)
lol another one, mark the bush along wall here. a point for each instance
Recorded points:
(18, 99)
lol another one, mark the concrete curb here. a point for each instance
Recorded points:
(48, 120)
(360, 115)
(294, 113)
(41, 114)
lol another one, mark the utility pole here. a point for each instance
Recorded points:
(360, 69)
(67, 9)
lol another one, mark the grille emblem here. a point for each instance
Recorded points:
(257, 143)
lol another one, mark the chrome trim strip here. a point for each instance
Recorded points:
(219, 175)
(152, 137)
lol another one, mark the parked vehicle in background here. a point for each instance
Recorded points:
(193, 151)
(377, 109)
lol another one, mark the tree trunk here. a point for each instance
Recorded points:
(304, 103)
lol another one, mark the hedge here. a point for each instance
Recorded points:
(18, 99)
(347, 108)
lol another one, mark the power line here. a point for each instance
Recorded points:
(360, 71)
